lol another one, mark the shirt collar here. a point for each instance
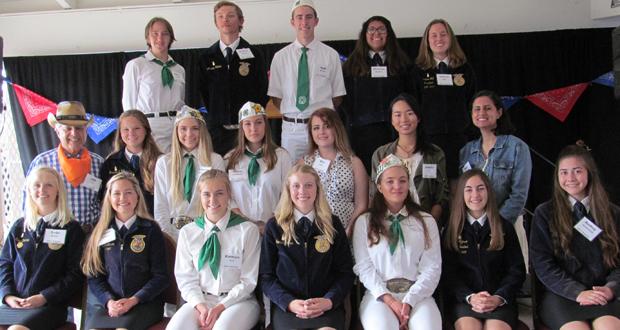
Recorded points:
(371, 54)
(482, 220)
(193, 153)
(221, 223)
(585, 202)
(128, 154)
(445, 60)
(50, 217)
(127, 223)
(149, 56)
(403, 212)
(298, 215)
(312, 45)
(232, 46)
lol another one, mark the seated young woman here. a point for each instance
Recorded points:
(40, 259)
(483, 267)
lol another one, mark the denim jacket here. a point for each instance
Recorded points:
(509, 167)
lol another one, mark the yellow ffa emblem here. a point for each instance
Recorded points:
(458, 79)
(19, 244)
(322, 244)
(137, 243)
(244, 68)
(54, 246)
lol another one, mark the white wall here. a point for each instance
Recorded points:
(267, 21)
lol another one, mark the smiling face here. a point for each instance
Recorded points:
(322, 133)
(124, 199)
(404, 118)
(476, 196)
(214, 198)
(484, 113)
(573, 177)
(394, 185)
(188, 132)
(72, 138)
(159, 39)
(303, 190)
(133, 133)
(227, 20)
(43, 190)
(439, 40)
(254, 129)
(304, 21)
(376, 36)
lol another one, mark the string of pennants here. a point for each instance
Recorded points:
(557, 102)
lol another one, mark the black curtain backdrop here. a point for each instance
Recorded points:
(513, 64)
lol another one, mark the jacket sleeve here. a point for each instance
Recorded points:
(613, 279)
(519, 184)
(440, 189)
(342, 265)
(101, 289)
(261, 75)
(269, 281)
(514, 265)
(7, 258)
(73, 278)
(545, 263)
(158, 267)
(451, 277)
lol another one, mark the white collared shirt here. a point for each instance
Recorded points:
(375, 265)
(297, 214)
(232, 46)
(325, 73)
(258, 202)
(382, 54)
(127, 224)
(482, 220)
(445, 60)
(585, 202)
(165, 207)
(143, 88)
(239, 261)
(50, 217)
(128, 154)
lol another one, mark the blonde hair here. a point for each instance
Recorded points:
(91, 262)
(31, 211)
(426, 60)
(284, 212)
(204, 150)
(214, 174)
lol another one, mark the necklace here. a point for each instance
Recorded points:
(407, 151)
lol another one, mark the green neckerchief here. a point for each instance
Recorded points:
(396, 232)
(253, 167)
(210, 251)
(166, 75)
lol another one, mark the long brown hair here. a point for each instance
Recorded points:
(284, 212)
(91, 262)
(150, 151)
(341, 140)
(426, 60)
(396, 59)
(561, 225)
(378, 210)
(269, 148)
(458, 213)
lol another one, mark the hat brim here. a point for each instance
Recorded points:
(51, 120)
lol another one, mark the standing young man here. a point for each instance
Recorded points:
(232, 72)
(305, 76)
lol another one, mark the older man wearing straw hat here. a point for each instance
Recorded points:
(79, 168)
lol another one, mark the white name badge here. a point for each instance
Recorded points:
(107, 237)
(321, 164)
(429, 171)
(588, 229)
(237, 175)
(444, 79)
(92, 182)
(378, 71)
(55, 236)
(244, 53)
(231, 261)
(466, 167)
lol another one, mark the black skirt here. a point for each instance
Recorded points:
(555, 311)
(285, 320)
(46, 317)
(508, 313)
(139, 317)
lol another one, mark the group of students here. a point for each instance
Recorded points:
(300, 222)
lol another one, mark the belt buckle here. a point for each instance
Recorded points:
(180, 221)
(399, 285)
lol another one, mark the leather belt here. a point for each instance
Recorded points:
(161, 114)
(180, 221)
(399, 285)
(296, 120)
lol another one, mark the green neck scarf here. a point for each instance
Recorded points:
(396, 232)
(188, 179)
(166, 75)
(253, 167)
(210, 251)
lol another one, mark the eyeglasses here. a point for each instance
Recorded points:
(380, 30)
